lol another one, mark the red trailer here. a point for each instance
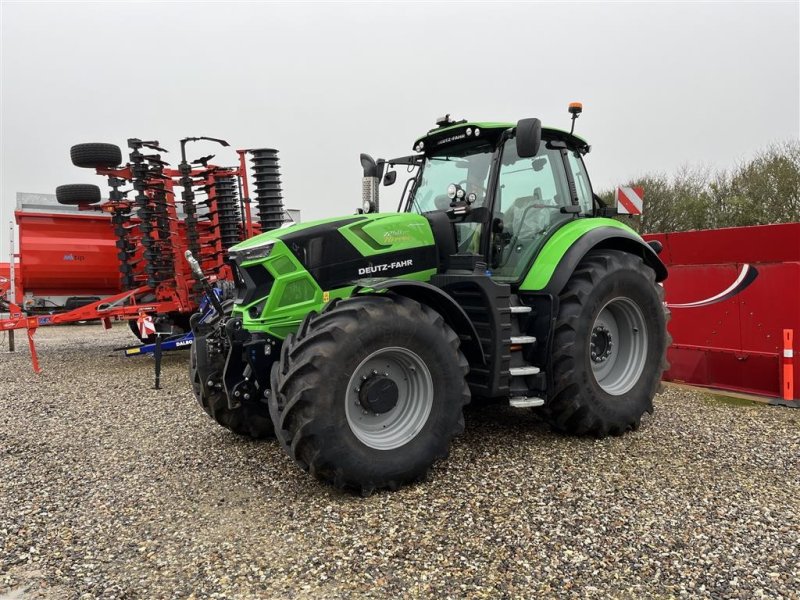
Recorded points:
(735, 300)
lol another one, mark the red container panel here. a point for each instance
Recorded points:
(736, 341)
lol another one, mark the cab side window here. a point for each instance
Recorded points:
(582, 184)
(531, 192)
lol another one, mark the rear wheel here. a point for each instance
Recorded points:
(609, 346)
(369, 394)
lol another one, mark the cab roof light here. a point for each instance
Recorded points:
(575, 109)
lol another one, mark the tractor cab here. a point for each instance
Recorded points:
(506, 188)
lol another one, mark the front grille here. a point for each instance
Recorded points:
(252, 283)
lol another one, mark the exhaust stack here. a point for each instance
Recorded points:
(369, 185)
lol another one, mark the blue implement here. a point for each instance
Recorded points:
(175, 342)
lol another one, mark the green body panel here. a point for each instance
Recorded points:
(276, 234)
(554, 249)
(295, 293)
(388, 232)
(369, 234)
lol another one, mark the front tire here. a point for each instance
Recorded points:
(369, 394)
(609, 346)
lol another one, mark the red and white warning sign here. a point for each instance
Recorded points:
(629, 200)
(146, 326)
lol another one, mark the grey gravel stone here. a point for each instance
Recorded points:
(110, 489)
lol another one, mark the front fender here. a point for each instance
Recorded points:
(441, 302)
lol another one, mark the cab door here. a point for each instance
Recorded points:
(527, 208)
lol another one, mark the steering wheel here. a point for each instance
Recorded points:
(531, 202)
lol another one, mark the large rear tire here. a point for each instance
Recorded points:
(369, 394)
(609, 346)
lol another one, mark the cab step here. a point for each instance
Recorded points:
(523, 339)
(525, 402)
(523, 371)
(518, 310)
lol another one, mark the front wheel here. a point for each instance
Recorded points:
(369, 394)
(609, 346)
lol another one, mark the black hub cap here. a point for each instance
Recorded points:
(602, 342)
(378, 394)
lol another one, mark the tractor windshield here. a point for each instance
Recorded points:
(469, 171)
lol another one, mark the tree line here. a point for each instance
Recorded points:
(762, 190)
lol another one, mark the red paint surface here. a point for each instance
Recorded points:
(67, 255)
(736, 344)
(5, 279)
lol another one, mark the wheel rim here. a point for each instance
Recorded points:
(618, 346)
(403, 373)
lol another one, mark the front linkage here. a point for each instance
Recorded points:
(230, 366)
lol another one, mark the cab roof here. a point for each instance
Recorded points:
(439, 137)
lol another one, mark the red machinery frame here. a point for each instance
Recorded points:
(174, 295)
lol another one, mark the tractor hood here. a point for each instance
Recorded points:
(340, 251)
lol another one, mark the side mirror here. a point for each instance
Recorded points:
(390, 177)
(529, 137)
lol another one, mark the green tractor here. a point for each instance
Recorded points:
(358, 340)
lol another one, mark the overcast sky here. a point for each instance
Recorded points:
(662, 84)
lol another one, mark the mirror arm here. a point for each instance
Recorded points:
(403, 195)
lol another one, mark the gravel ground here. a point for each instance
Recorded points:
(112, 489)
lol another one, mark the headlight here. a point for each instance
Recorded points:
(459, 193)
(469, 131)
(451, 190)
(366, 206)
(255, 253)
(477, 132)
